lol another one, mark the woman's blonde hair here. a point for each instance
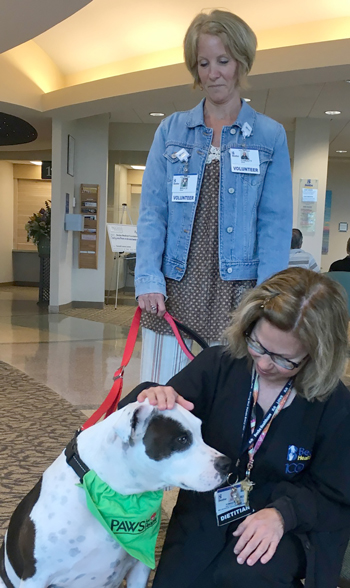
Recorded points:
(310, 306)
(237, 37)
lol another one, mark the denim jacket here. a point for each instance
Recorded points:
(255, 211)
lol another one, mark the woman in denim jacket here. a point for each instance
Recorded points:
(216, 205)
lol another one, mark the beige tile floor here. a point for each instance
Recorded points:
(74, 357)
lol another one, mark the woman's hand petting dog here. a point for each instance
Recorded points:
(259, 535)
(164, 397)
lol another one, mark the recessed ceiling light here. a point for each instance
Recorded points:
(36, 162)
(332, 112)
(347, 81)
(247, 99)
(156, 114)
(138, 166)
(341, 151)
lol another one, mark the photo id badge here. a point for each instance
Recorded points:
(230, 504)
(245, 161)
(184, 188)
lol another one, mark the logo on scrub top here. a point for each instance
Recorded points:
(299, 455)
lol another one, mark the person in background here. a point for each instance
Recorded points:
(342, 265)
(216, 202)
(272, 401)
(297, 256)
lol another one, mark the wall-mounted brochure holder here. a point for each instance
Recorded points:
(88, 242)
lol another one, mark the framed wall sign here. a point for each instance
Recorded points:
(308, 193)
(343, 227)
(46, 170)
(70, 155)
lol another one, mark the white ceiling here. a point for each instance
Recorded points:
(106, 31)
(282, 104)
(22, 20)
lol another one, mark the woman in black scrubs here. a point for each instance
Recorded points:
(273, 402)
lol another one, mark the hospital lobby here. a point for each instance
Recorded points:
(92, 80)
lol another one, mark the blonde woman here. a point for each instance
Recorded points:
(273, 402)
(216, 203)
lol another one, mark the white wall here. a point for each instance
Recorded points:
(69, 283)
(91, 164)
(310, 162)
(61, 240)
(6, 233)
(114, 216)
(131, 136)
(338, 182)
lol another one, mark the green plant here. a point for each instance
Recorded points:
(39, 224)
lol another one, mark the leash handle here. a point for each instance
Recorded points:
(110, 403)
(188, 331)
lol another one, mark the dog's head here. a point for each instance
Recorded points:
(165, 448)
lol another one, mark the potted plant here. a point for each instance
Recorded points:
(39, 227)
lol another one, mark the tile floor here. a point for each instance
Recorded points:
(74, 357)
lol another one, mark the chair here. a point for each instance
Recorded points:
(342, 278)
(344, 581)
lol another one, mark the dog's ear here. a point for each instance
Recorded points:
(131, 421)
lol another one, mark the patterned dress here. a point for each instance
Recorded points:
(202, 300)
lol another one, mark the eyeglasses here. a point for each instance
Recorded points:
(279, 360)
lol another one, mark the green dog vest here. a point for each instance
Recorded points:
(133, 521)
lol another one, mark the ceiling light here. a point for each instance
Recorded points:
(341, 151)
(332, 112)
(347, 81)
(138, 166)
(247, 99)
(156, 114)
(36, 162)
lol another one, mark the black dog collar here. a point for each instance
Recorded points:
(73, 458)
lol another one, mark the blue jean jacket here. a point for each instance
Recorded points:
(255, 211)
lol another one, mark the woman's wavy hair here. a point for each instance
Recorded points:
(237, 37)
(314, 309)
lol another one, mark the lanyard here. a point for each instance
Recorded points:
(257, 435)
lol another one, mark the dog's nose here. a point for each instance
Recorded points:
(222, 465)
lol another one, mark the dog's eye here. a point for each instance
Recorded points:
(182, 440)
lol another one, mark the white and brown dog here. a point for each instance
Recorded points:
(53, 541)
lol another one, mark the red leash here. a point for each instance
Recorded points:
(111, 402)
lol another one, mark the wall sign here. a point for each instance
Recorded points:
(326, 222)
(46, 170)
(308, 193)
